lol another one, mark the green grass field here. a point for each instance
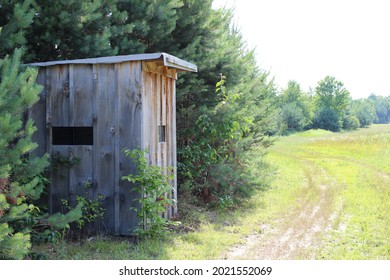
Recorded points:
(329, 199)
(354, 168)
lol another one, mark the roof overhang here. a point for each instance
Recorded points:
(167, 60)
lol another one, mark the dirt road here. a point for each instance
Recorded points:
(298, 233)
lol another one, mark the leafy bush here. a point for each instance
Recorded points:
(350, 122)
(364, 110)
(292, 118)
(213, 162)
(328, 119)
(91, 210)
(154, 189)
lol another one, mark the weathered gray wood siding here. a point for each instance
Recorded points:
(130, 129)
(105, 138)
(126, 103)
(159, 109)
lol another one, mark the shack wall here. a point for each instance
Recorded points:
(127, 105)
(159, 120)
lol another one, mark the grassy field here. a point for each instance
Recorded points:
(329, 199)
(347, 177)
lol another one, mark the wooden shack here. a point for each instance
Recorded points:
(92, 109)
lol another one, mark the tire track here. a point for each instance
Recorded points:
(298, 233)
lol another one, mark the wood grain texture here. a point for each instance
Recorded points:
(125, 102)
(38, 114)
(105, 95)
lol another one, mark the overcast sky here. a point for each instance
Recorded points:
(306, 40)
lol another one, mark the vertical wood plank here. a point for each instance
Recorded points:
(164, 100)
(158, 92)
(71, 95)
(168, 134)
(59, 108)
(57, 114)
(38, 114)
(149, 120)
(80, 175)
(73, 180)
(130, 120)
(162, 145)
(82, 84)
(155, 119)
(59, 180)
(173, 136)
(117, 152)
(99, 226)
(145, 140)
(48, 89)
(81, 180)
(105, 95)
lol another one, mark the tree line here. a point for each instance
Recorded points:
(329, 106)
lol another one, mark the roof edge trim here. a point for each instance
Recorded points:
(168, 60)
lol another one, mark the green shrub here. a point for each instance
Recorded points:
(351, 122)
(328, 119)
(154, 189)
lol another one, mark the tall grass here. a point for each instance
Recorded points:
(360, 164)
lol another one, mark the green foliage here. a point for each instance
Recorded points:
(332, 107)
(215, 127)
(91, 210)
(149, 26)
(382, 108)
(59, 161)
(328, 119)
(72, 29)
(21, 173)
(332, 102)
(295, 109)
(154, 189)
(331, 93)
(364, 110)
(292, 118)
(50, 228)
(350, 122)
(15, 17)
(224, 133)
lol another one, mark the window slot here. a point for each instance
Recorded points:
(72, 135)
(161, 133)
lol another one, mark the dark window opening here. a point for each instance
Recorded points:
(161, 133)
(72, 135)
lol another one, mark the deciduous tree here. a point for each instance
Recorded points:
(332, 100)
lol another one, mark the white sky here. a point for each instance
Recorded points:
(306, 40)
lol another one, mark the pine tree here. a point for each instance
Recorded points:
(20, 174)
(151, 22)
(15, 17)
(206, 36)
(72, 29)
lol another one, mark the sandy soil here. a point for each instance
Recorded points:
(298, 233)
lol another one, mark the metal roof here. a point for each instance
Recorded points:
(168, 60)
